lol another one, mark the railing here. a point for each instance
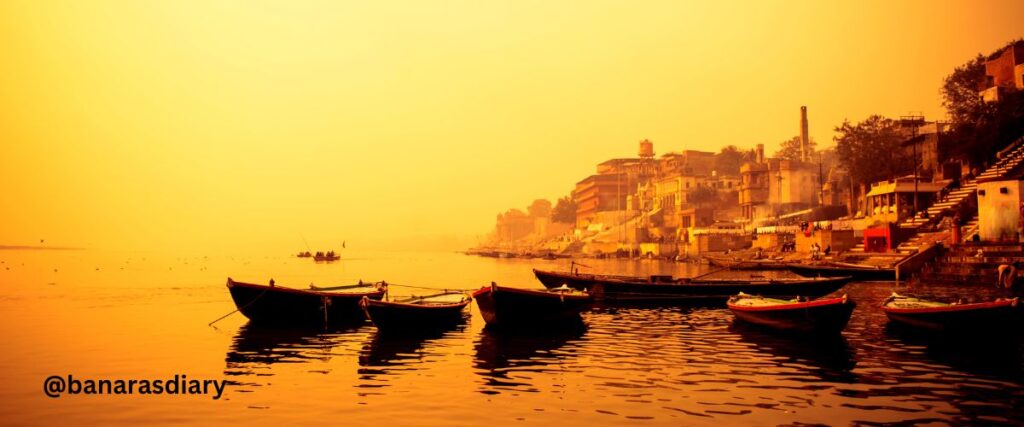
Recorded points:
(1005, 163)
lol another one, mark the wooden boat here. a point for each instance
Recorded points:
(941, 316)
(326, 257)
(279, 305)
(668, 289)
(304, 255)
(416, 312)
(750, 264)
(510, 307)
(834, 269)
(829, 315)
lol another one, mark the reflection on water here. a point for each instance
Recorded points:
(389, 352)
(256, 348)
(667, 365)
(509, 358)
(826, 358)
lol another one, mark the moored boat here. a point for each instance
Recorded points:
(942, 316)
(666, 289)
(510, 307)
(416, 312)
(280, 305)
(835, 269)
(828, 315)
(745, 264)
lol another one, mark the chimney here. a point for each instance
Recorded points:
(759, 155)
(803, 134)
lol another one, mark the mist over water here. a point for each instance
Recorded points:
(144, 315)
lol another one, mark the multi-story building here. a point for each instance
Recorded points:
(754, 186)
(1004, 71)
(614, 186)
(601, 193)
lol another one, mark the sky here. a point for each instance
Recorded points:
(250, 126)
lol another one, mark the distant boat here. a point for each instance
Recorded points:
(326, 257)
(940, 316)
(828, 315)
(318, 306)
(665, 289)
(416, 313)
(832, 269)
(512, 307)
(304, 254)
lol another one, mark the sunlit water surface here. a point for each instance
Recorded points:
(104, 314)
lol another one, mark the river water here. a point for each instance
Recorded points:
(121, 315)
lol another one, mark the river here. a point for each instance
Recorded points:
(131, 315)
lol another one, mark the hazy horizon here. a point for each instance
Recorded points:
(221, 125)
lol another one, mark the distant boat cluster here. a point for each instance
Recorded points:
(328, 256)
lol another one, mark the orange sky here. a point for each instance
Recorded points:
(241, 125)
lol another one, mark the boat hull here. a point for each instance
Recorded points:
(975, 318)
(278, 305)
(819, 316)
(836, 271)
(708, 291)
(511, 307)
(400, 316)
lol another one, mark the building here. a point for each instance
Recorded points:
(999, 210)
(1004, 71)
(614, 185)
(753, 196)
(687, 162)
(771, 187)
(892, 201)
(933, 150)
(601, 193)
(793, 185)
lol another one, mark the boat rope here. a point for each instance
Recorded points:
(432, 289)
(361, 284)
(239, 308)
(710, 273)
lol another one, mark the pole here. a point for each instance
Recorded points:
(913, 122)
(913, 137)
(821, 183)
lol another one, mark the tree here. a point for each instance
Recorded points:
(790, 149)
(729, 160)
(980, 128)
(871, 151)
(960, 93)
(564, 211)
(702, 196)
(540, 208)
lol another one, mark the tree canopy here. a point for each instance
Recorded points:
(540, 208)
(790, 149)
(729, 160)
(871, 151)
(980, 128)
(564, 211)
(702, 196)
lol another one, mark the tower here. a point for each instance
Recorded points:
(804, 142)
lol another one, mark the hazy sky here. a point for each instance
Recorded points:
(240, 125)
